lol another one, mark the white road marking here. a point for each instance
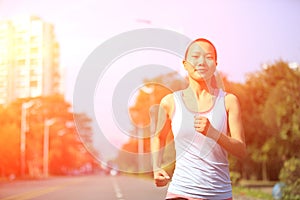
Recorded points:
(117, 189)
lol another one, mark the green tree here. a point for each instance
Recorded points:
(271, 116)
(9, 140)
(67, 152)
(290, 176)
(9, 157)
(282, 114)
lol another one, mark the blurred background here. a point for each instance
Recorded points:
(43, 45)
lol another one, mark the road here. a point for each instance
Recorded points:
(85, 187)
(99, 187)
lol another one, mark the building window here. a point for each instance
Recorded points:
(34, 62)
(34, 50)
(33, 83)
(21, 62)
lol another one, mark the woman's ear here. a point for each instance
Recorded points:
(184, 64)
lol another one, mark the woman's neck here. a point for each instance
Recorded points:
(201, 87)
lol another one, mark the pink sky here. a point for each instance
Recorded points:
(247, 34)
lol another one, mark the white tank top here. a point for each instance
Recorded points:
(202, 169)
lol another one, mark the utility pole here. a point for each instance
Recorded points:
(149, 90)
(47, 124)
(24, 108)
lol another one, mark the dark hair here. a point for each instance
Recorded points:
(201, 40)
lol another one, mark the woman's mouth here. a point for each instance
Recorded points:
(201, 70)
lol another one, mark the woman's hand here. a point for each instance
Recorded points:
(201, 124)
(161, 177)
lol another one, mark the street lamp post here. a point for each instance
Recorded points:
(140, 149)
(150, 91)
(47, 124)
(24, 108)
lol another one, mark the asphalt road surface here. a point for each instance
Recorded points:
(85, 187)
(99, 187)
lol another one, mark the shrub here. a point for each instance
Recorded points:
(290, 176)
(235, 177)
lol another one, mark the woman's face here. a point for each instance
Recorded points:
(201, 60)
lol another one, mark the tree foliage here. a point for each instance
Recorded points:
(67, 153)
(270, 104)
(290, 176)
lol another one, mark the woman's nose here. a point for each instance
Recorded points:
(200, 61)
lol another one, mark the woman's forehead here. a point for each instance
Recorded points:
(201, 46)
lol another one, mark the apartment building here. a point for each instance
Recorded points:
(29, 59)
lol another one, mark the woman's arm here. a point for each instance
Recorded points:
(235, 143)
(159, 139)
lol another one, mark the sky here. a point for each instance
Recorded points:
(247, 34)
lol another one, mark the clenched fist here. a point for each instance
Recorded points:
(161, 177)
(201, 124)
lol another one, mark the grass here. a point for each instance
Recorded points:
(251, 192)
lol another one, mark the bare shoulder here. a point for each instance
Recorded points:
(231, 101)
(167, 102)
